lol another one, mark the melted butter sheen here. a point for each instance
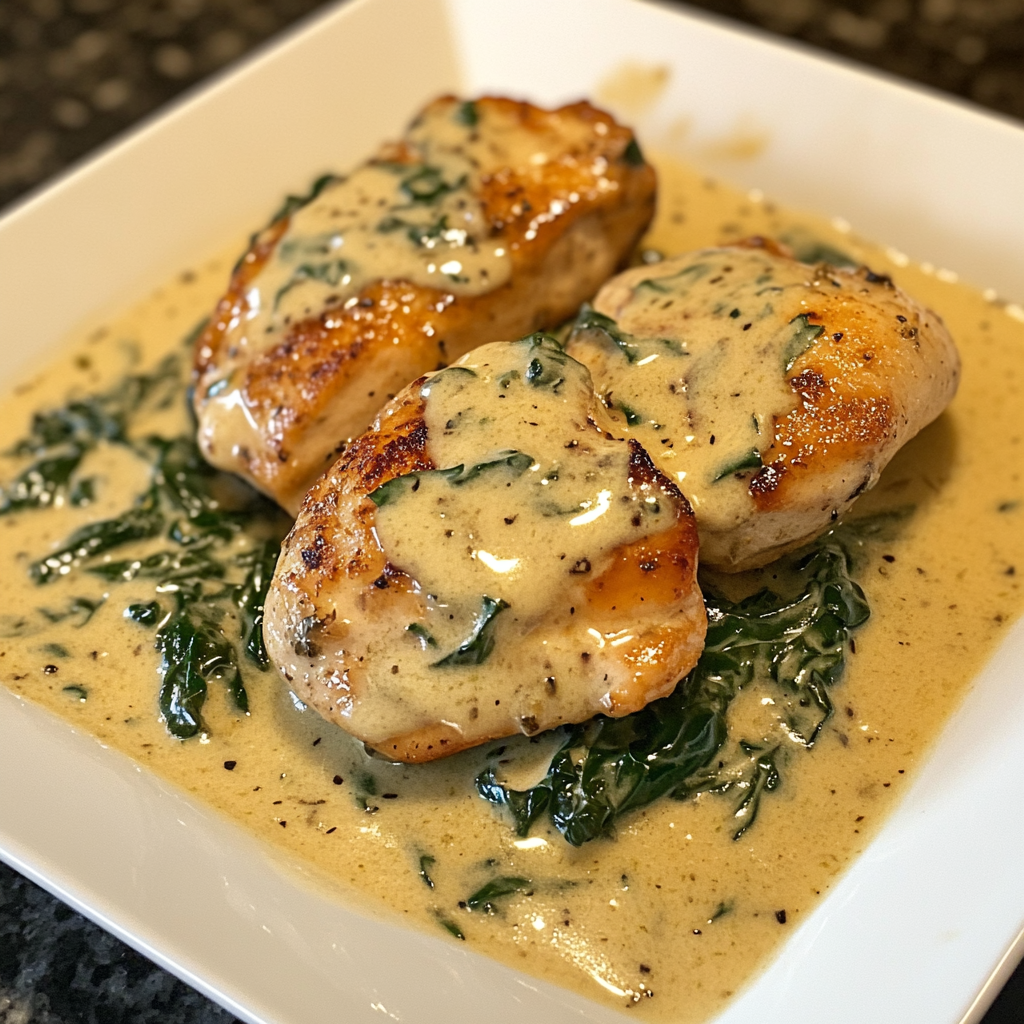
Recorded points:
(670, 906)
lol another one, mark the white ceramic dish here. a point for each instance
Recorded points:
(927, 924)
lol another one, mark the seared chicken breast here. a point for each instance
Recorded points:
(771, 391)
(487, 559)
(489, 219)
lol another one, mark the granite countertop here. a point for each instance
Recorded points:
(74, 73)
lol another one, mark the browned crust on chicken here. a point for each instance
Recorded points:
(333, 548)
(847, 385)
(882, 368)
(333, 536)
(307, 395)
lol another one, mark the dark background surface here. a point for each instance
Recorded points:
(74, 73)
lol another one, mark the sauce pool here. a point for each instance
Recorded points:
(671, 915)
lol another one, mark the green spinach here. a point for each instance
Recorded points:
(477, 647)
(214, 589)
(59, 439)
(608, 767)
(803, 337)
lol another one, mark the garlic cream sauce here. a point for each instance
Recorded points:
(670, 916)
(416, 220)
(694, 361)
(527, 507)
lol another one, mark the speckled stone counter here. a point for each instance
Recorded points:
(74, 73)
(58, 968)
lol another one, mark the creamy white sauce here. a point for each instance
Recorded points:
(527, 508)
(514, 532)
(619, 918)
(419, 220)
(699, 373)
(371, 226)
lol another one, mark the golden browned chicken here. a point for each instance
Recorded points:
(486, 560)
(771, 391)
(489, 219)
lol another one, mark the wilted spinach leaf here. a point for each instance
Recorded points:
(608, 767)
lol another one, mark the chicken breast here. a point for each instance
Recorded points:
(486, 560)
(771, 391)
(489, 219)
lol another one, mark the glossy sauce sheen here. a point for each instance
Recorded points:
(485, 561)
(568, 508)
(773, 391)
(701, 357)
(488, 219)
(671, 916)
(375, 223)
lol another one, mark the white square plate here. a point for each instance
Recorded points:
(925, 925)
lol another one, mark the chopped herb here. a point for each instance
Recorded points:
(808, 249)
(427, 862)
(293, 203)
(190, 339)
(83, 492)
(146, 614)
(330, 272)
(477, 647)
(484, 899)
(765, 777)
(448, 371)
(590, 321)
(83, 608)
(694, 270)
(546, 368)
(57, 650)
(632, 154)
(748, 460)
(422, 633)
(425, 235)
(467, 114)
(720, 911)
(426, 184)
(451, 927)
(633, 418)
(803, 337)
(80, 693)
(516, 463)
